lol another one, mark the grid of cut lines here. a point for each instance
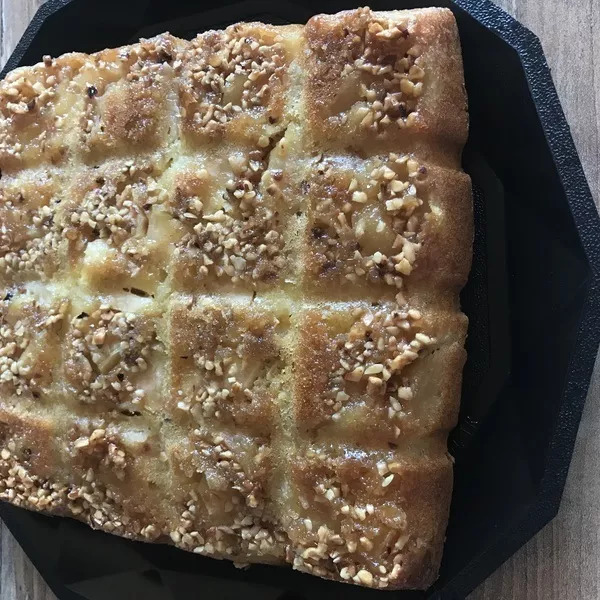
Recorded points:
(207, 314)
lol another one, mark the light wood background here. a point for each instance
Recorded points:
(563, 561)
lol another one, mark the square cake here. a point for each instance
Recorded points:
(229, 291)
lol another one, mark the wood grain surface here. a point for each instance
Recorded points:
(563, 561)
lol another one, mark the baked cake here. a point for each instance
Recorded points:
(229, 274)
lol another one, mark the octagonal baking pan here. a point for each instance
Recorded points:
(532, 300)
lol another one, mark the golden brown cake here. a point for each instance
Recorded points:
(229, 277)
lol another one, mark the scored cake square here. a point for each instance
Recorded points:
(129, 100)
(386, 81)
(31, 340)
(385, 375)
(369, 518)
(117, 226)
(114, 357)
(31, 245)
(229, 277)
(230, 363)
(223, 487)
(234, 226)
(235, 84)
(38, 107)
(383, 224)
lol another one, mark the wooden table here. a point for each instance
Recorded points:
(563, 561)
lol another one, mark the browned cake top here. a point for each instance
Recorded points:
(229, 276)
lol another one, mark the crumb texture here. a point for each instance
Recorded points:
(229, 277)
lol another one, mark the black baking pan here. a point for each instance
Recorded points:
(532, 300)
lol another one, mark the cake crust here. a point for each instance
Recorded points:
(229, 277)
